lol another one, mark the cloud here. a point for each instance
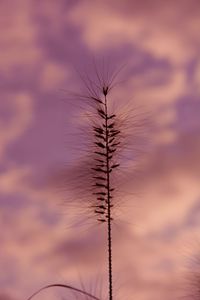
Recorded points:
(197, 78)
(17, 36)
(21, 104)
(151, 28)
(11, 180)
(158, 94)
(36, 248)
(5, 297)
(53, 76)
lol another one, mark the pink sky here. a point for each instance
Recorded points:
(156, 231)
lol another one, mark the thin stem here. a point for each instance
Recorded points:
(108, 205)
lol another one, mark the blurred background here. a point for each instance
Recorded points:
(156, 240)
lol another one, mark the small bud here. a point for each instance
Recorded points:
(105, 90)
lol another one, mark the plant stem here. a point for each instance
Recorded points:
(109, 206)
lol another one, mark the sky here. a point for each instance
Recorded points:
(46, 47)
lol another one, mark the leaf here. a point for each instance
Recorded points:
(100, 153)
(100, 136)
(115, 144)
(99, 193)
(102, 113)
(112, 116)
(99, 212)
(111, 150)
(101, 199)
(96, 99)
(98, 129)
(99, 160)
(111, 140)
(99, 144)
(99, 178)
(63, 286)
(114, 133)
(100, 185)
(111, 125)
(101, 206)
(115, 166)
(98, 170)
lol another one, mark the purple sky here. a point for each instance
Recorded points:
(157, 234)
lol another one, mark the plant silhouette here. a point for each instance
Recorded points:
(115, 133)
(107, 131)
(106, 141)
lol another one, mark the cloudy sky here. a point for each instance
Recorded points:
(45, 46)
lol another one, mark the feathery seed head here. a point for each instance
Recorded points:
(111, 135)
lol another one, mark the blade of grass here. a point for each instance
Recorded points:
(66, 286)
